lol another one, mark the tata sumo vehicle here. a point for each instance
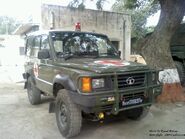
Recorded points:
(84, 73)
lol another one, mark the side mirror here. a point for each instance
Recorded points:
(119, 53)
(43, 54)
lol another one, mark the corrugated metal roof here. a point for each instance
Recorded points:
(25, 28)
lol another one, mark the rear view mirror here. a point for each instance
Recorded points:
(43, 54)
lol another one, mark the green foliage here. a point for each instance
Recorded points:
(140, 10)
(80, 4)
(77, 4)
(8, 25)
(99, 4)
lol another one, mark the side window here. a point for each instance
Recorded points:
(35, 46)
(45, 42)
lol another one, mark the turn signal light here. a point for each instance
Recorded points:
(86, 84)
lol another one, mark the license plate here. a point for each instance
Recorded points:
(132, 101)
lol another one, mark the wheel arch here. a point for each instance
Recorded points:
(62, 82)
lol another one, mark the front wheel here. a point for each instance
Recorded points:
(68, 115)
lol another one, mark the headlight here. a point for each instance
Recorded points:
(98, 83)
(88, 84)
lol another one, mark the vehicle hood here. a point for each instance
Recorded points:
(103, 65)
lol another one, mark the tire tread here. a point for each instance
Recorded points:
(75, 114)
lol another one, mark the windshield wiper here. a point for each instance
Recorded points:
(107, 56)
(101, 55)
(68, 56)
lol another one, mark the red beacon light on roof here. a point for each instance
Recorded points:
(78, 26)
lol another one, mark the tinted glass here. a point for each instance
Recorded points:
(45, 42)
(35, 46)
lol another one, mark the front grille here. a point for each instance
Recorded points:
(106, 107)
(133, 95)
(138, 79)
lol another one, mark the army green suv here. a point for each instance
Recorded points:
(87, 78)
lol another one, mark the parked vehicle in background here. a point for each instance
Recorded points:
(177, 47)
(178, 51)
(178, 55)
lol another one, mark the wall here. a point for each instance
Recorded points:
(10, 54)
(117, 26)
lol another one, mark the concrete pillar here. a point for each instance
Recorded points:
(121, 48)
(127, 37)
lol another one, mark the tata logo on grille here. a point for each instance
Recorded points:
(130, 81)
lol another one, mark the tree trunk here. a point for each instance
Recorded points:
(156, 49)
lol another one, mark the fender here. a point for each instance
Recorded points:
(26, 75)
(65, 81)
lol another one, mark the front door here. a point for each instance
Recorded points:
(45, 68)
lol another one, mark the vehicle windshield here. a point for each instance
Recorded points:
(79, 44)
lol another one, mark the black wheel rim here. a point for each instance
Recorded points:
(62, 115)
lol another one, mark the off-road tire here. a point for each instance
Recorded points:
(34, 94)
(137, 113)
(68, 115)
(181, 71)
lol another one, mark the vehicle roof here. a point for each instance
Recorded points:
(42, 32)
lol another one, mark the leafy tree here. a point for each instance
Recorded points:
(77, 4)
(99, 4)
(140, 10)
(80, 4)
(8, 24)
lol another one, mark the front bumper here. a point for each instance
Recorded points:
(112, 101)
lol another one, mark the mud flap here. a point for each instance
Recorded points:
(25, 85)
(25, 77)
(52, 107)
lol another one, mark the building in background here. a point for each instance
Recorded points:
(11, 50)
(117, 26)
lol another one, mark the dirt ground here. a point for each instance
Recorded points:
(20, 120)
